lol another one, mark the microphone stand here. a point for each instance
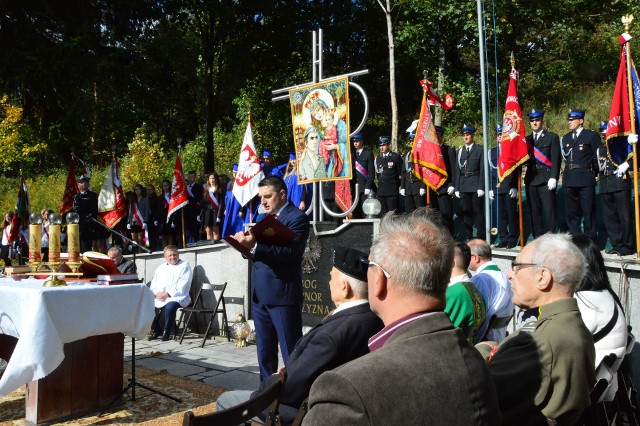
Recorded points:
(132, 381)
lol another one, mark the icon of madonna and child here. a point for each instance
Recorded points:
(320, 114)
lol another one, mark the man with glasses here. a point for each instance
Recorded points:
(544, 372)
(420, 367)
(541, 178)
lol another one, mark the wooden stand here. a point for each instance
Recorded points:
(88, 379)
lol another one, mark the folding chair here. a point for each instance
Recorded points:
(626, 397)
(246, 411)
(596, 414)
(217, 292)
(302, 411)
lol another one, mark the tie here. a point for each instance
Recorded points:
(535, 137)
(575, 135)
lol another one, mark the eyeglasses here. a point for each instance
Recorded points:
(369, 263)
(516, 266)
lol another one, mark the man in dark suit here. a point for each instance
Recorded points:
(339, 338)
(579, 148)
(192, 212)
(364, 173)
(469, 184)
(85, 203)
(276, 278)
(411, 188)
(420, 369)
(389, 167)
(507, 200)
(442, 200)
(541, 177)
(615, 193)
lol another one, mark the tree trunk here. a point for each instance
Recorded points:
(441, 57)
(392, 76)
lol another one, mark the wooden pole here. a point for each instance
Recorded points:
(520, 220)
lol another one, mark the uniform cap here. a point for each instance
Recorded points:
(535, 114)
(412, 136)
(575, 114)
(351, 262)
(603, 126)
(468, 128)
(384, 140)
(266, 153)
(292, 156)
(234, 167)
(83, 179)
(439, 130)
(357, 137)
(499, 129)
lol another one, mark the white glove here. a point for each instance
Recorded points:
(450, 190)
(457, 194)
(128, 226)
(632, 138)
(491, 196)
(402, 191)
(552, 184)
(173, 225)
(513, 193)
(198, 218)
(144, 225)
(622, 169)
(423, 191)
(480, 193)
(217, 220)
(155, 223)
(367, 191)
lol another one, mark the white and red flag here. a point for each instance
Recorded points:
(179, 197)
(111, 204)
(249, 170)
(514, 149)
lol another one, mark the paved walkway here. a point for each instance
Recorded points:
(219, 363)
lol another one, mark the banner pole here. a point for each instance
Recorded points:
(520, 219)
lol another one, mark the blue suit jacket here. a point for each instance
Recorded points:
(338, 339)
(277, 270)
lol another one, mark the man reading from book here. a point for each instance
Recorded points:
(276, 278)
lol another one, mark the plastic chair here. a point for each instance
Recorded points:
(244, 412)
(217, 293)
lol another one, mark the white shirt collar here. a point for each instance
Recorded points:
(458, 279)
(349, 304)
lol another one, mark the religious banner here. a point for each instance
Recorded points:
(514, 149)
(320, 116)
(249, 172)
(111, 203)
(179, 197)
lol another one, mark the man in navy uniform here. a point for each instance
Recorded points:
(442, 200)
(507, 201)
(364, 173)
(192, 212)
(541, 178)
(411, 188)
(615, 194)
(469, 183)
(85, 203)
(579, 148)
(389, 168)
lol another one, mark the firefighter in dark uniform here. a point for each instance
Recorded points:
(364, 173)
(579, 149)
(615, 193)
(389, 167)
(85, 203)
(469, 184)
(411, 188)
(442, 200)
(541, 177)
(507, 200)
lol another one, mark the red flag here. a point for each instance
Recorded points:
(514, 149)
(179, 197)
(70, 189)
(435, 99)
(111, 204)
(343, 194)
(249, 171)
(426, 155)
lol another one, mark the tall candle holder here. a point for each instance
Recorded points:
(35, 241)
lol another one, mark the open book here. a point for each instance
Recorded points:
(268, 231)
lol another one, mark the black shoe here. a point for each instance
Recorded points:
(626, 252)
(155, 335)
(166, 336)
(510, 246)
(503, 244)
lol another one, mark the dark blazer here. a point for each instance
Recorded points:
(277, 270)
(609, 181)
(580, 157)
(449, 156)
(538, 173)
(365, 159)
(511, 181)
(426, 373)
(85, 204)
(389, 171)
(469, 169)
(338, 339)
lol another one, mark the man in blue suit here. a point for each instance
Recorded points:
(338, 339)
(276, 278)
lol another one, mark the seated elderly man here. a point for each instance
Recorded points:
(171, 284)
(421, 370)
(124, 266)
(339, 338)
(465, 305)
(495, 289)
(543, 372)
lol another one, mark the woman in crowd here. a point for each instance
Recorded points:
(600, 307)
(211, 212)
(7, 240)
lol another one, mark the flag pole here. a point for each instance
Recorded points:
(519, 171)
(627, 20)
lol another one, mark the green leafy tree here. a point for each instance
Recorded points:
(146, 161)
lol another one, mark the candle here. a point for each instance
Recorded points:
(73, 241)
(54, 242)
(35, 237)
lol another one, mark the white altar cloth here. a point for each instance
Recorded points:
(44, 319)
